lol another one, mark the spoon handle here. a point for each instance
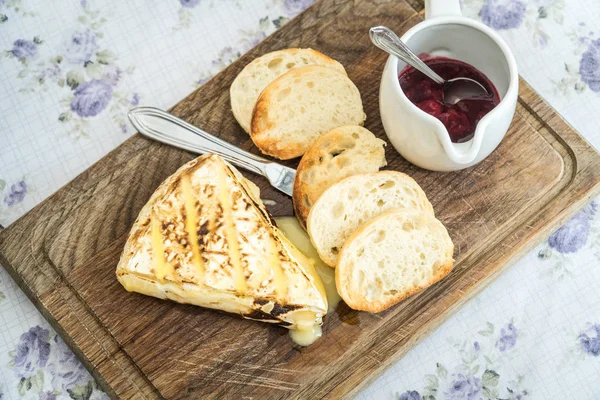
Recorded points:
(388, 41)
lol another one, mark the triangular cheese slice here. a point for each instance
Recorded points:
(205, 238)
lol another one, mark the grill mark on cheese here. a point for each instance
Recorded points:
(219, 208)
(246, 188)
(211, 216)
(161, 267)
(230, 232)
(275, 312)
(190, 219)
(275, 262)
(276, 254)
(203, 231)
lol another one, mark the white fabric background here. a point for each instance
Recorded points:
(533, 331)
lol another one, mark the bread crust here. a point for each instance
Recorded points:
(379, 306)
(261, 124)
(260, 112)
(236, 94)
(305, 194)
(425, 205)
(357, 301)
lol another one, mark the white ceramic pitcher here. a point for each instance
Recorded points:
(421, 138)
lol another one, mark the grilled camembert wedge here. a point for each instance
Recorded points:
(205, 238)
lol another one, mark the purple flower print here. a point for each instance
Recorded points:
(294, 7)
(69, 371)
(590, 340)
(32, 351)
(410, 395)
(24, 49)
(189, 3)
(17, 194)
(112, 75)
(573, 235)
(53, 72)
(589, 66)
(91, 98)
(253, 40)
(503, 14)
(80, 46)
(226, 56)
(508, 338)
(47, 396)
(464, 388)
(476, 346)
(135, 99)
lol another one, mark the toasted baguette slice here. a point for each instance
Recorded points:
(205, 238)
(346, 205)
(338, 154)
(255, 76)
(301, 105)
(391, 257)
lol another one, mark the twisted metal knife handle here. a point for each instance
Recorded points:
(194, 139)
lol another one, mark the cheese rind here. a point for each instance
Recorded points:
(235, 238)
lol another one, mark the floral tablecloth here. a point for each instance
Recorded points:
(69, 70)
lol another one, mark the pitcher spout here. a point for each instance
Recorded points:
(462, 153)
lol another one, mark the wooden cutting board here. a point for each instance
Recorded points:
(64, 252)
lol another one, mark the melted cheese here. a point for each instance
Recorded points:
(306, 337)
(161, 268)
(307, 332)
(298, 236)
(191, 216)
(231, 234)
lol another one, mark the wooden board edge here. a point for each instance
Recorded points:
(576, 195)
(133, 382)
(469, 295)
(455, 307)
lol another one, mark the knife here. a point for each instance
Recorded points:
(166, 128)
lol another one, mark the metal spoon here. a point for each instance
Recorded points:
(455, 90)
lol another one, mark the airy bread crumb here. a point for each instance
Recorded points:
(301, 105)
(391, 257)
(255, 77)
(351, 202)
(340, 153)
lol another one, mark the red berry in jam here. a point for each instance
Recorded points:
(457, 124)
(459, 119)
(431, 107)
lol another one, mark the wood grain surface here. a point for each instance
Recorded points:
(64, 252)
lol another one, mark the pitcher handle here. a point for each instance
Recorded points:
(442, 8)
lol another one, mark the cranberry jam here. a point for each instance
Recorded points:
(459, 119)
